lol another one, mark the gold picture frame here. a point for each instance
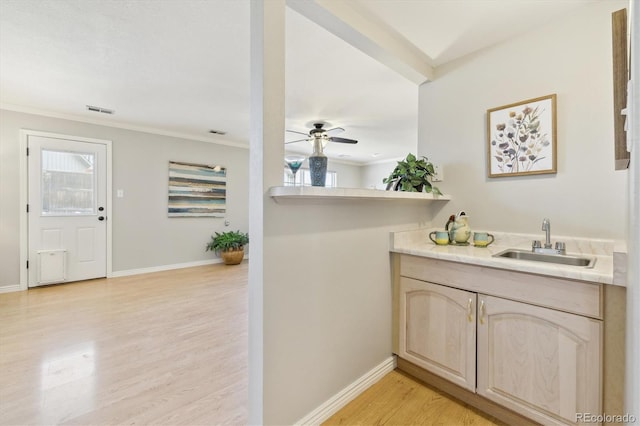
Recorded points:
(521, 138)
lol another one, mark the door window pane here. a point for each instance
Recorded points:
(68, 183)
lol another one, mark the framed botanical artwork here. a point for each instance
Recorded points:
(521, 138)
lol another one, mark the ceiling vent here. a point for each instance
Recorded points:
(100, 109)
(217, 132)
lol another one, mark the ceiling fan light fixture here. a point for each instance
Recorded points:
(323, 138)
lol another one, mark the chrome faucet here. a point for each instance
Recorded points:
(536, 247)
(546, 226)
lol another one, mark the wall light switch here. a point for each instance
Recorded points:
(120, 193)
(439, 174)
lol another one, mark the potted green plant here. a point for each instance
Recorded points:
(412, 174)
(229, 246)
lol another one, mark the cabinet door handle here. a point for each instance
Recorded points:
(470, 310)
(482, 312)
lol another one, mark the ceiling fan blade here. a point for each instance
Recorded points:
(335, 131)
(295, 131)
(298, 140)
(342, 140)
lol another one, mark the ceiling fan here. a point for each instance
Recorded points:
(319, 134)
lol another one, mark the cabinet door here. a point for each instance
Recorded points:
(438, 330)
(542, 363)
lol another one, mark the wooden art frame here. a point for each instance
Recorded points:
(621, 76)
(521, 138)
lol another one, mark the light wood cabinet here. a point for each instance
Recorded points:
(533, 357)
(543, 363)
(438, 330)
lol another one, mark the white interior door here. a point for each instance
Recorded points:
(67, 185)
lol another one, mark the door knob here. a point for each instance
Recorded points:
(100, 217)
(100, 209)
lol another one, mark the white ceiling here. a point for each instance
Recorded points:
(449, 29)
(182, 66)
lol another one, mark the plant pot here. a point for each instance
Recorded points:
(232, 257)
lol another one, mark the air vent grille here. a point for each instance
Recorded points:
(100, 109)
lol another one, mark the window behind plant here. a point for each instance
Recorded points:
(303, 178)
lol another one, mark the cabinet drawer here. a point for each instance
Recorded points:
(577, 297)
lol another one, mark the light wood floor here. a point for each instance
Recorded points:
(398, 399)
(168, 348)
(161, 348)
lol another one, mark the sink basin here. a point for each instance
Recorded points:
(586, 262)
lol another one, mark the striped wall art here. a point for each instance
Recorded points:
(197, 190)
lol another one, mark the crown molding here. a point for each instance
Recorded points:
(157, 131)
(119, 125)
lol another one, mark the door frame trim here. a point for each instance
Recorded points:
(24, 197)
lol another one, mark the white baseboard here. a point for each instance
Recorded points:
(161, 268)
(115, 274)
(348, 394)
(10, 288)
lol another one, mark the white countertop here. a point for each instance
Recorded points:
(417, 243)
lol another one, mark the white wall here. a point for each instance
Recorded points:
(570, 57)
(143, 235)
(327, 298)
(349, 175)
(373, 174)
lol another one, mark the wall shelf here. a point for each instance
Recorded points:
(312, 192)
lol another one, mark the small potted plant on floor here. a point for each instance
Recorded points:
(229, 246)
(412, 174)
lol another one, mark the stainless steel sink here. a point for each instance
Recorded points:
(562, 259)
